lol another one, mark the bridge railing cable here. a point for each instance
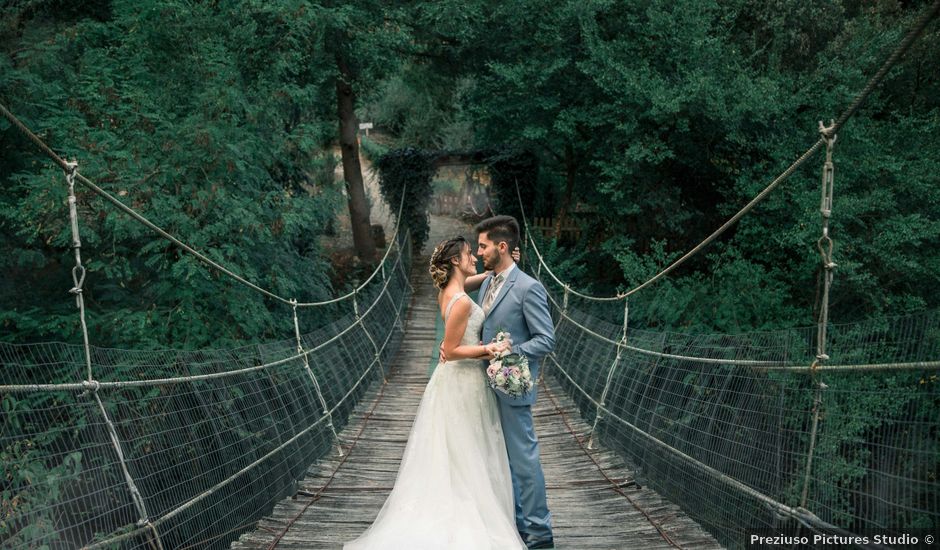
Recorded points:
(208, 438)
(829, 428)
(69, 167)
(905, 44)
(155, 449)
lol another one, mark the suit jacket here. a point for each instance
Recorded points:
(521, 308)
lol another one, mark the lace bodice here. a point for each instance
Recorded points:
(471, 335)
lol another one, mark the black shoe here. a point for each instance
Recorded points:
(544, 543)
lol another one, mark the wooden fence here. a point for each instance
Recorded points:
(569, 230)
(445, 204)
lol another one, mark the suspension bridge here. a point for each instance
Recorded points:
(649, 439)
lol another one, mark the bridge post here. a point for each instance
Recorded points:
(824, 245)
(91, 385)
(78, 272)
(610, 374)
(404, 252)
(401, 264)
(400, 268)
(375, 347)
(313, 379)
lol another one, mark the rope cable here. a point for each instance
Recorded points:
(94, 384)
(754, 364)
(905, 44)
(209, 492)
(712, 472)
(166, 235)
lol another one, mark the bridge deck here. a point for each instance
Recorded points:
(340, 497)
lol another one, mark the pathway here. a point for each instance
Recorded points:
(594, 501)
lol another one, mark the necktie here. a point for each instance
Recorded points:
(491, 292)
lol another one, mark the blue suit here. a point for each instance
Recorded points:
(521, 308)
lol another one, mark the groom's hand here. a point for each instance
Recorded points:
(440, 353)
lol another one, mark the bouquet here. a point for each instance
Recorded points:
(509, 372)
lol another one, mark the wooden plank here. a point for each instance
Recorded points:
(339, 497)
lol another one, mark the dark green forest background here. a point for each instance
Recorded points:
(651, 122)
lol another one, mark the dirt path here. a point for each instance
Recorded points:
(379, 212)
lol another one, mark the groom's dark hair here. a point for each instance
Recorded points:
(500, 229)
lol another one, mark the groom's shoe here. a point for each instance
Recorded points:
(544, 543)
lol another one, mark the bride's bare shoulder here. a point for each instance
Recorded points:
(458, 306)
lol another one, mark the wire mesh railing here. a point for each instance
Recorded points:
(831, 428)
(211, 439)
(725, 425)
(181, 449)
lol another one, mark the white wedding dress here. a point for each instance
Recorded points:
(454, 489)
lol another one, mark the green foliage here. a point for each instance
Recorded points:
(567, 264)
(662, 119)
(415, 168)
(208, 121)
(665, 118)
(404, 107)
(445, 186)
(408, 173)
(514, 174)
(372, 149)
(31, 480)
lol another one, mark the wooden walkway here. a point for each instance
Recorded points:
(340, 497)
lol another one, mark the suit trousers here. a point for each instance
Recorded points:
(528, 482)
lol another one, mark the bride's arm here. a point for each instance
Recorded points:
(473, 282)
(454, 328)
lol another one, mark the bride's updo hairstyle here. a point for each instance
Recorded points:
(441, 266)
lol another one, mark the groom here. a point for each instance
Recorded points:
(517, 303)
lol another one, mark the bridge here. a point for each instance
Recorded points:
(650, 439)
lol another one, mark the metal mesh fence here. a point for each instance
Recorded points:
(743, 433)
(182, 449)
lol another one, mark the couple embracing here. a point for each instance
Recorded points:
(471, 477)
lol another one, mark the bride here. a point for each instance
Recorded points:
(453, 488)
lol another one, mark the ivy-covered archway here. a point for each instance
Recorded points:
(410, 171)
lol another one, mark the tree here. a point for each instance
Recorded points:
(202, 117)
(665, 118)
(352, 170)
(357, 39)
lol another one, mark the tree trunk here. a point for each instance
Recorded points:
(352, 170)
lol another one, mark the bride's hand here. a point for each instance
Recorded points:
(492, 349)
(497, 347)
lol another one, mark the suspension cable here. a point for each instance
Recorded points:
(95, 384)
(860, 98)
(65, 166)
(325, 417)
